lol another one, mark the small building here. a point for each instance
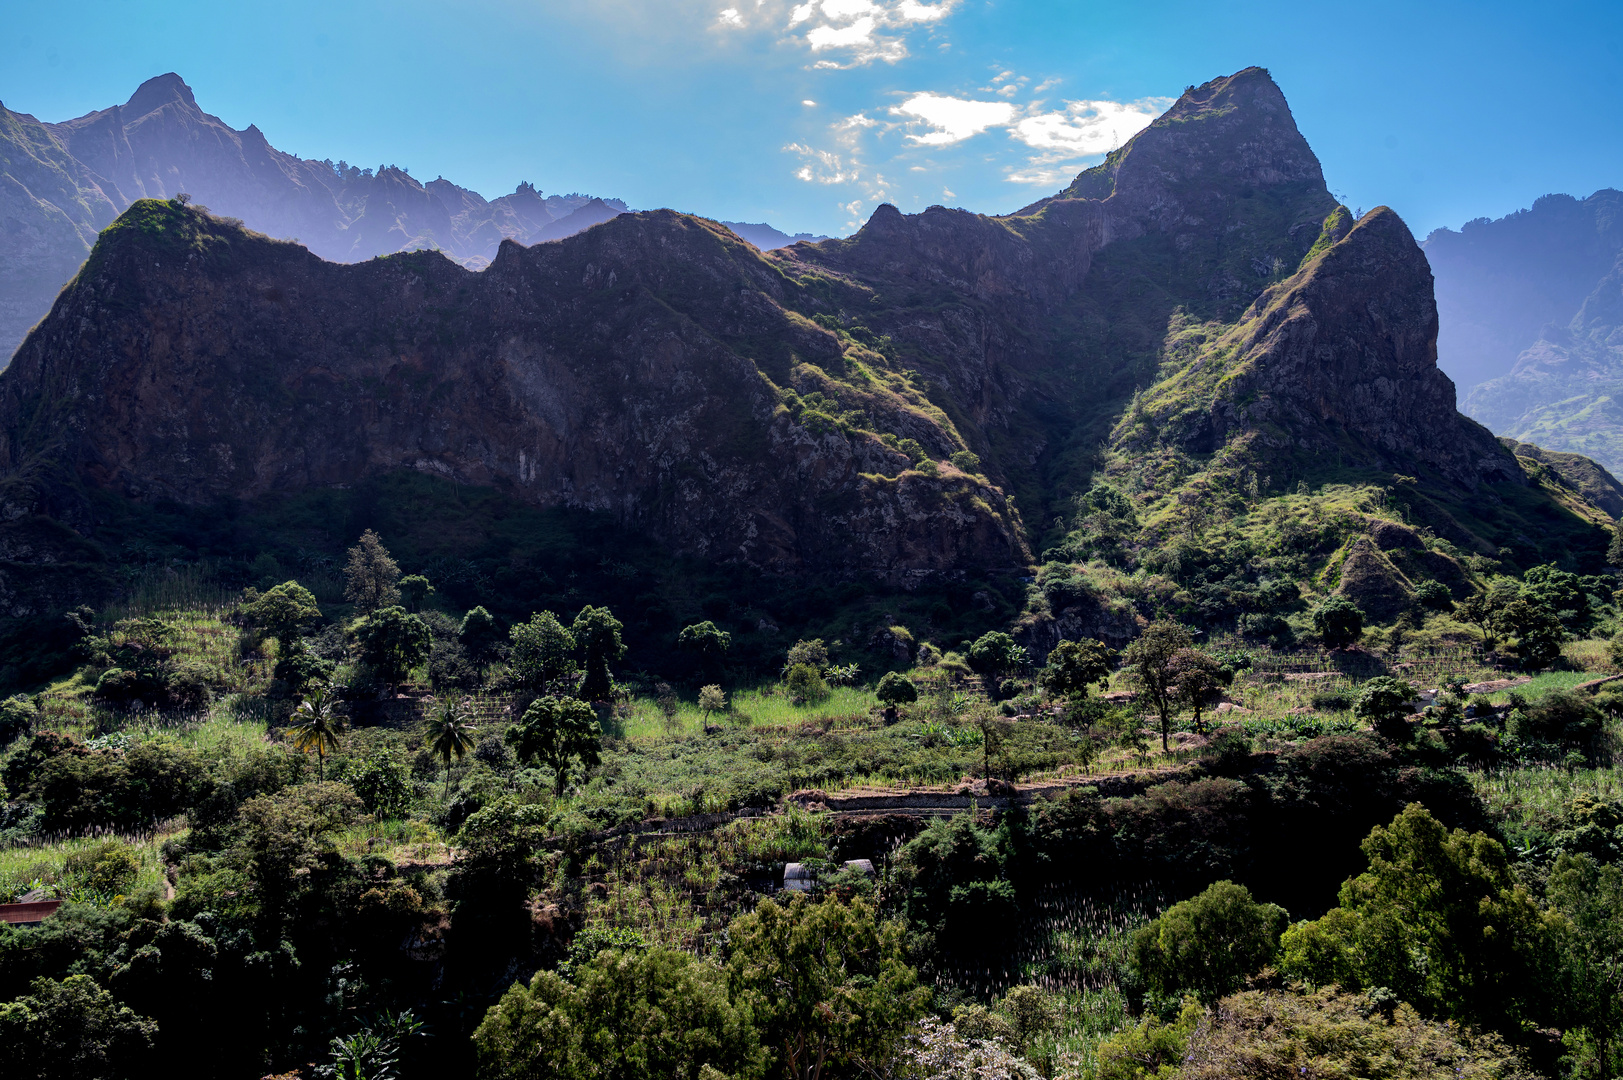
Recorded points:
(30, 914)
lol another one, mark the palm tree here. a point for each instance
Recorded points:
(315, 726)
(450, 734)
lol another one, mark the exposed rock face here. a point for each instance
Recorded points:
(1341, 358)
(765, 408)
(195, 361)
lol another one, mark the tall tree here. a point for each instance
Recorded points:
(543, 655)
(1441, 920)
(479, 636)
(316, 725)
(597, 632)
(1149, 661)
(557, 732)
(414, 591)
(283, 612)
(371, 575)
(450, 734)
(1196, 680)
(1073, 666)
(708, 642)
(392, 642)
(827, 983)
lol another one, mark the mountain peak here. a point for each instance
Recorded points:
(1235, 131)
(157, 92)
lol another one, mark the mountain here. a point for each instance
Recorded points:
(1565, 391)
(1500, 283)
(767, 238)
(1532, 323)
(60, 184)
(1194, 319)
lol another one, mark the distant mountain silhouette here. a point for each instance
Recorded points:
(60, 184)
(1532, 323)
(767, 238)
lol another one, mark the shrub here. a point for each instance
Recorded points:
(392, 642)
(283, 613)
(16, 719)
(1150, 1049)
(1338, 622)
(1256, 624)
(1439, 918)
(1383, 703)
(1434, 596)
(301, 670)
(383, 784)
(895, 689)
(1267, 1033)
(805, 684)
(74, 1028)
(1208, 945)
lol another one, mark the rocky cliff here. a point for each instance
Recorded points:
(195, 361)
(874, 405)
(1339, 359)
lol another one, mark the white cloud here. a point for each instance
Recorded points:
(731, 17)
(911, 11)
(947, 193)
(953, 119)
(847, 9)
(808, 101)
(821, 166)
(858, 34)
(1085, 128)
(863, 30)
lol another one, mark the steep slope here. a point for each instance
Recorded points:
(61, 183)
(1339, 360)
(195, 361)
(877, 405)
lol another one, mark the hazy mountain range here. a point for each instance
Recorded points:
(61, 183)
(1531, 310)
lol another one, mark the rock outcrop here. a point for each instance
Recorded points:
(195, 361)
(1338, 360)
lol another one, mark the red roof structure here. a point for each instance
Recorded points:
(28, 914)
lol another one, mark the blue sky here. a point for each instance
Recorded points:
(808, 114)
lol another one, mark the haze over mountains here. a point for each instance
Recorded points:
(1532, 322)
(61, 183)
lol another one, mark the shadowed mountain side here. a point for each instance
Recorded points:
(1341, 358)
(194, 361)
(1566, 390)
(876, 405)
